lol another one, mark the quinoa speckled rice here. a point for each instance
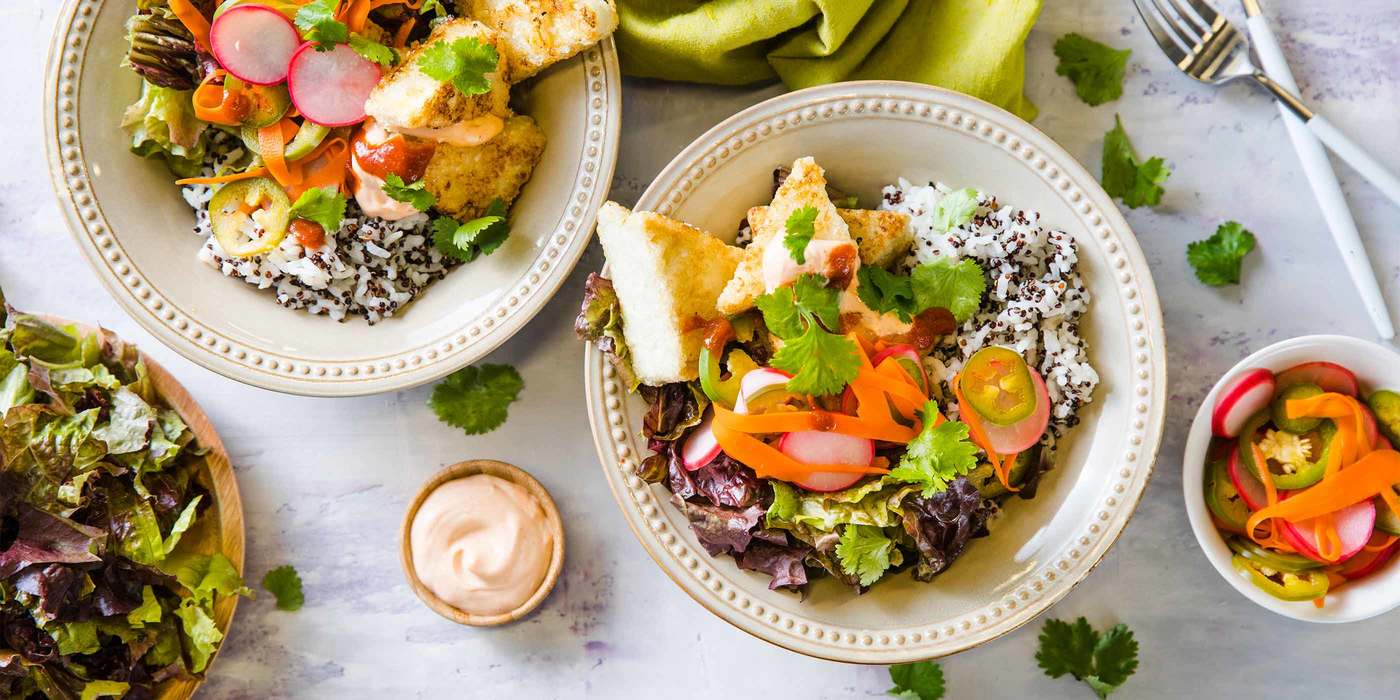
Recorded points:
(1035, 296)
(368, 268)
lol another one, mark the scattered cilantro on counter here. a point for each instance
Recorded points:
(415, 194)
(955, 209)
(921, 680)
(475, 238)
(318, 24)
(1095, 69)
(284, 584)
(475, 398)
(1103, 661)
(937, 455)
(1217, 260)
(955, 286)
(323, 205)
(822, 362)
(800, 227)
(1124, 176)
(864, 552)
(464, 62)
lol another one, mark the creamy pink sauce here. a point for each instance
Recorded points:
(779, 269)
(472, 132)
(482, 544)
(369, 188)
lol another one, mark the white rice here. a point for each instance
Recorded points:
(369, 268)
(1035, 296)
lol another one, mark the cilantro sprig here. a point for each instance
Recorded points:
(937, 455)
(955, 209)
(921, 680)
(886, 292)
(955, 286)
(473, 239)
(1218, 260)
(798, 231)
(822, 362)
(476, 398)
(318, 24)
(1096, 69)
(415, 194)
(464, 62)
(323, 205)
(864, 552)
(1103, 661)
(284, 584)
(1135, 182)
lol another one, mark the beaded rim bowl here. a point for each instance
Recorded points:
(865, 135)
(132, 226)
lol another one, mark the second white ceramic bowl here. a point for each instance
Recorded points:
(1377, 367)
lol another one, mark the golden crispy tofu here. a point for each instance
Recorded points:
(667, 275)
(540, 33)
(408, 99)
(465, 179)
(883, 236)
(805, 186)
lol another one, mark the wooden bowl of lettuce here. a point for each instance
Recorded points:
(122, 528)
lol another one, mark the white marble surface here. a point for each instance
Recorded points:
(325, 482)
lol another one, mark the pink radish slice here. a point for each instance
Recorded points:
(1023, 434)
(822, 447)
(1328, 375)
(1355, 523)
(330, 87)
(757, 382)
(1247, 484)
(904, 352)
(700, 447)
(1373, 431)
(1246, 396)
(254, 43)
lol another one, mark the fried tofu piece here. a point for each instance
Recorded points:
(540, 33)
(883, 236)
(667, 276)
(805, 186)
(465, 179)
(407, 98)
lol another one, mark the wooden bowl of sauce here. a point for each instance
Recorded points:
(553, 526)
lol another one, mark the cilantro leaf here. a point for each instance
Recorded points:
(886, 292)
(800, 228)
(821, 363)
(433, 6)
(955, 286)
(415, 194)
(1104, 662)
(323, 205)
(318, 24)
(784, 309)
(464, 62)
(921, 680)
(1095, 69)
(1217, 260)
(475, 238)
(955, 209)
(1124, 176)
(864, 552)
(284, 583)
(937, 455)
(475, 398)
(374, 51)
(780, 313)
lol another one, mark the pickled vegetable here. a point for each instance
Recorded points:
(250, 217)
(997, 384)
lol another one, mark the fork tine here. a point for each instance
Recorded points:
(1170, 43)
(1191, 38)
(1203, 10)
(1192, 16)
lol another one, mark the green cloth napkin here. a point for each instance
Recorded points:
(972, 46)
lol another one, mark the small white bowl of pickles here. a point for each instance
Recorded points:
(1295, 445)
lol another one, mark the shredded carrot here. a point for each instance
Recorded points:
(979, 436)
(768, 462)
(223, 179)
(1374, 474)
(272, 147)
(402, 33)
(1262, 467)
(214, 103)
(800, 421)
(193, 19)
(1384, 544)
(324, 167)
(1329, 542)
(355, 14)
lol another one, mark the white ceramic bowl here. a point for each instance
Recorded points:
(1377, 367)
(131, 223)
(866, 134)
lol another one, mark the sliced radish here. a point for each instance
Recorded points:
(700, 447)
(1365, 564)
(822, 447)
(1373, 431)
(330, 87)
(908, 356)
(1246, 396)
(757, 383)
(1023, 434)
(254, 43)
(1355, 524)
(1328, 375)
(1247, 484)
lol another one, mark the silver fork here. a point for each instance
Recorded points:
(1207, 47)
